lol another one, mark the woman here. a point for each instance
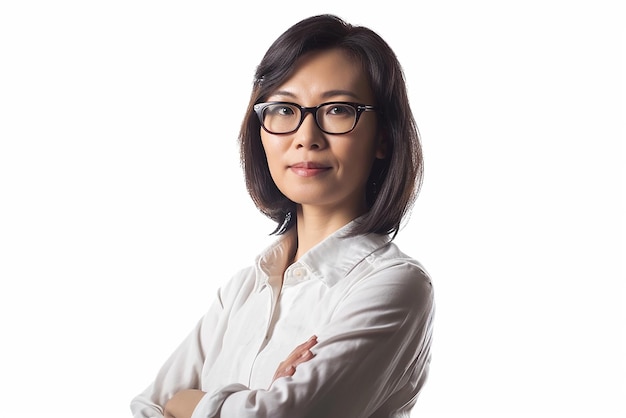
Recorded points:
(332, 320)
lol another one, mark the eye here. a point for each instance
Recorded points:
(339, 110)
(280, 109)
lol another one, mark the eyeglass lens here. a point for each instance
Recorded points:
(332, 118)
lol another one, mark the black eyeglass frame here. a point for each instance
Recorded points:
(259, 108)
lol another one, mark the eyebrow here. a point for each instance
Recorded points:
(325, 95)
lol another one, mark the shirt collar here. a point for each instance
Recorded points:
(329, 261)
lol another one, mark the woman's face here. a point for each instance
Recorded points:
(313, 168)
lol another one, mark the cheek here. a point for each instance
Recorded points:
(357, 166)
(360, 154)
(272, 154)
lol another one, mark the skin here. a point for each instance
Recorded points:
(327, 198)
(298, 356)
(183, 403)
(324, 174)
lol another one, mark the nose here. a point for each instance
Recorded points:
(309, 134)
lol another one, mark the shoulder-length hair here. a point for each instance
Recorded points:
(394, 181)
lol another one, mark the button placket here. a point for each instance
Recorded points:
(274, 293)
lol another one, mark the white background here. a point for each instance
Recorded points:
(122, 204)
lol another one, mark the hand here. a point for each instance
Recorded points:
(183, 403)
(298, 356)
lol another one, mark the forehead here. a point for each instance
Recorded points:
(326, 74)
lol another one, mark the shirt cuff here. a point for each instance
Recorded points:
(210, 404)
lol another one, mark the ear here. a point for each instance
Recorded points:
(381, 147)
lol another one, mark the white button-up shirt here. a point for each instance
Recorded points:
(370, 305)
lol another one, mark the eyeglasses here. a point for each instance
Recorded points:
(333, 118)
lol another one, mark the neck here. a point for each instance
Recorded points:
(313, 226)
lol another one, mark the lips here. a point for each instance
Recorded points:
(308, 168)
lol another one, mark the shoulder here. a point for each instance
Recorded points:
(389, 290)
(397, 277)
(389, 263)
(390, 255)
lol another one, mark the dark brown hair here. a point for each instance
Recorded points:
(395, 180)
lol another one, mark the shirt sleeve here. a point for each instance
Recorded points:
(375, 348)
(182, 370)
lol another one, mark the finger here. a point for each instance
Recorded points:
(290, 371)
(284, 372)
(298, 356)
(305, 356)
(301, 357)
(308, 343)
(302, 348)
